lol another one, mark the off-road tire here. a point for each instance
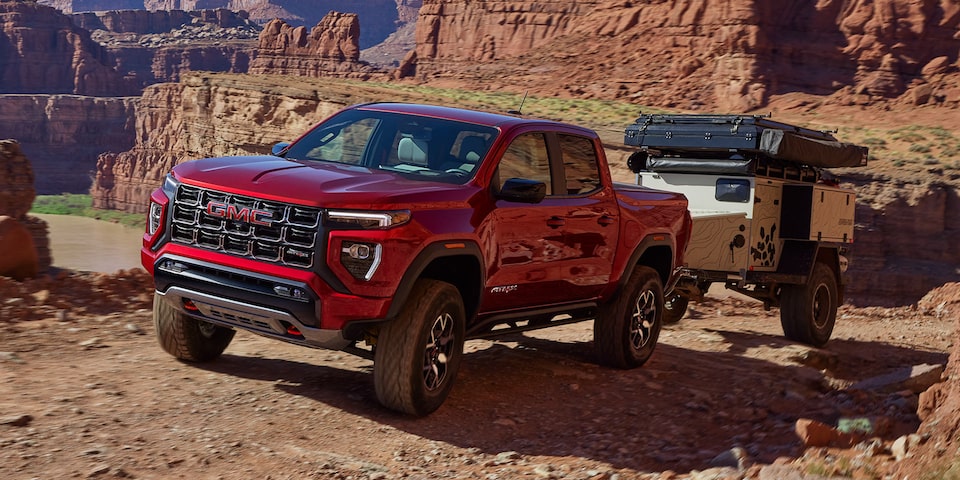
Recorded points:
(187, 338)
(417, 354)
(628, 326)
(808, 312)
(674, 308)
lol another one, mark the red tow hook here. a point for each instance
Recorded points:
(291, 330)
(189, 305)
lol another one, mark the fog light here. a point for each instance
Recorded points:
(360, 259)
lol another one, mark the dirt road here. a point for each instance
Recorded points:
(87, 393)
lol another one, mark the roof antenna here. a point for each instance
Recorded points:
(517, 111)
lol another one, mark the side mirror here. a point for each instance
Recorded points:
(523, 190)
(279, 147)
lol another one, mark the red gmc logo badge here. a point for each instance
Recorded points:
(244, 214)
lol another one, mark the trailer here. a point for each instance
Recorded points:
(769, 221)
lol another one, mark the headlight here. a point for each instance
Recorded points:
(154, 218)
(366, 220)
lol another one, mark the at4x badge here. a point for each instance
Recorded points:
(503, 289)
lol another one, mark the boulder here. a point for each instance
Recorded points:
(19, 258)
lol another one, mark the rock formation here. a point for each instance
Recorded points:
(41, 51)
(380, 18)
(154, 47)
(330, 49)
(731, 55)
(23, 239)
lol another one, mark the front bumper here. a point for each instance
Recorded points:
(253, 318)
(288, 310)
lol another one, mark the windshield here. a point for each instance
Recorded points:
(418, 147)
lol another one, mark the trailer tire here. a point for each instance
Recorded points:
(808, 312)
(628, 326)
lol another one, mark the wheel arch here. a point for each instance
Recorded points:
(798, 258)
(457, 263)
(654, 251)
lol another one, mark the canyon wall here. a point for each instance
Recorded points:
(731, 55)
(64, 134)
(41, 51)
(905, 239)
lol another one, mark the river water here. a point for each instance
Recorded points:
(80, 243)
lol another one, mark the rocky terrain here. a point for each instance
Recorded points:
(87, 393)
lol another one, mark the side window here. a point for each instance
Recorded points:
(527, 158)
(580, 164)
(733, 190)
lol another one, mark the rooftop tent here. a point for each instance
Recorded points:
(725, 139)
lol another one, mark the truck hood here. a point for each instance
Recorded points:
(320, 184)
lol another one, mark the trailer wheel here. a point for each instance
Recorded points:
(808, 312)
(627, 327)
(187, 338)
(674, 308)
(418, 353)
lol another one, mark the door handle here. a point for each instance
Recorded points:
(556, 222)
(606, 220)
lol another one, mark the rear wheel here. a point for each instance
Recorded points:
(808, 312)
(418, 353)
(674, 308)
(628, 326)
(187, 338)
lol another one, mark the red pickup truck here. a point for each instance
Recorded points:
(398, 231)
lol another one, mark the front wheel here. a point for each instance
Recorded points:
(628, 326)
(418, 353)
(187, 338)
(808, 312)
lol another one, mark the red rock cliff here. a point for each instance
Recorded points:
(718, 54)
(41, 51)
(64, 134)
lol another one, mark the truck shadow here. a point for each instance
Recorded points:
(543, 397)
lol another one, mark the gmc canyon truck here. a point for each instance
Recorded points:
(768, 219)
(398, 231)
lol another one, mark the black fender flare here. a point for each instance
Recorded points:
(432, 252)
(650, 241)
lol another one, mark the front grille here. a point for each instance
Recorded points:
(245, 226)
